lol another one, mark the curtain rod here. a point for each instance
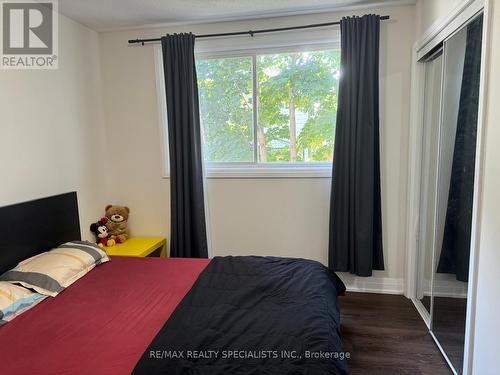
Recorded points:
(250, 32)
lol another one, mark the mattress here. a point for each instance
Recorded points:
(262, 315)
(102, 323)
(253, 315)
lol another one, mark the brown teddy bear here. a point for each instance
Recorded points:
(117, 222)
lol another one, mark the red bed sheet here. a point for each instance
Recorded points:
(102, 323)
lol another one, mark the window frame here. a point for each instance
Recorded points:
(246, 169)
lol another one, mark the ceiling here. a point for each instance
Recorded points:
(105, 15)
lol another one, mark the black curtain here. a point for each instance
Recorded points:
(455, 252)
(355, 214)
(188, 237)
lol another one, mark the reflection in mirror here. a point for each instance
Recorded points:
(457, 154)
(432, 105)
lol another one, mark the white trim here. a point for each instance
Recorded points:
(414, 171)
(260, 16)
(422, 311)
(440, 24)
(205, 50)
(384, 285)
(255, 107)
(444, 27)
(478, 192)
(208, 216)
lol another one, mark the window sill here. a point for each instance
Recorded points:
(271, 171)
(312, 170)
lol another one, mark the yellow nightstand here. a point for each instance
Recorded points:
(140, 247)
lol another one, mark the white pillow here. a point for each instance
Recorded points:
(50, 272)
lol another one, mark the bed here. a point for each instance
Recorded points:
(226, 315)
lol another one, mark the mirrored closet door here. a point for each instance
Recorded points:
(448, 159)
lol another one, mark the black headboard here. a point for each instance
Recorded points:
(30, 228)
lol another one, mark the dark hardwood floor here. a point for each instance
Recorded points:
(385, 335)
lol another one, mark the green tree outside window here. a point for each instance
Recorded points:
(296, 109)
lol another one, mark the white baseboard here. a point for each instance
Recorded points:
(384, 285)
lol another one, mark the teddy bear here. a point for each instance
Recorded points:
(101, 233)
(117, 222)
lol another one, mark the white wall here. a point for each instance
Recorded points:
(487, 322)
(287, 217)
(51, 133)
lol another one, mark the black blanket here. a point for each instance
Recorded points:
(253, 315)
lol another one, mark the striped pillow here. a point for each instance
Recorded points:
(15, 299)
(50, 272)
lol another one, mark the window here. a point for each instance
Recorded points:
(265, 109)
(286, 131)
(226, 108)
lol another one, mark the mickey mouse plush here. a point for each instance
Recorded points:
(101, 233)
